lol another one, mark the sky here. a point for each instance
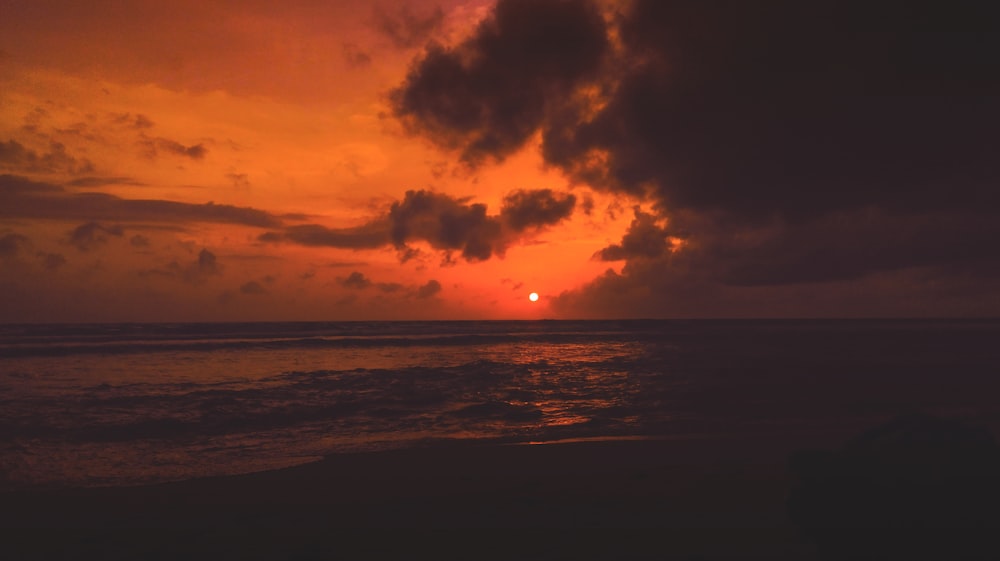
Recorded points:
(345, 160)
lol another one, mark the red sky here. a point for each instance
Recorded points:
(306, 160)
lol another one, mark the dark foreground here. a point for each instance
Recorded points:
(882, 496)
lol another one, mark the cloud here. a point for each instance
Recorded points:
(752, 110)
(429, 290)
(790, 144)
(18, 158)
(368, 236)
(93, 234)
(102, 181)
(354, 56)
(253, 288)
(11, 245)
(446, 223)
(389, 287)
(153, 146)
(487, 96)
(531, 209)
(202, 268)
(137, 121)
(23, 198)
(645, 238)
(405, 29)
(239, 180)
(52, 261)
(792, 109)
(355, 281)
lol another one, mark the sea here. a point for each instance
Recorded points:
(128, 404)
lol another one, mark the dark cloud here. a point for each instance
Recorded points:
(355, 281)
(404, 28)
(368, 236)
(253, 288)
(793, 108)
(766, 136)
(239, 180)
(11, 245)
(643, 239)
(857, 244)
(196, 272)
(389, 287)
(18, 158)
(355, 56)
(153, 146)
(52, 261)
(525, 209)
(139, 240)
(431, 289)
(137, 121)
(849, 264)
(488, 95)
(102, 181)
(93, 234)
(447, 224)
(23, 198)
(202, 268)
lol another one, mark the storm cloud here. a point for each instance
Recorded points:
(488, 95)
(783, 143)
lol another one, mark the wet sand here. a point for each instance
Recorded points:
(705, 498)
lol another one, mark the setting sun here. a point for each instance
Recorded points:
(533, 297)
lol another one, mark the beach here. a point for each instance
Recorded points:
(644, 498)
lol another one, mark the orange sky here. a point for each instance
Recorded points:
(344, 160)
(284, 106)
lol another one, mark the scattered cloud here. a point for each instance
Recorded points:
(448, 224)
(16, 157)
(354, 56)
(52, 261)
(202, 268)
(152, 147)
(429, 290)
(253, 288)
(102, 181)
(355, 281)
(92, 235)
(11, 245)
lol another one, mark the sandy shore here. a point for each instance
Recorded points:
(656, 499)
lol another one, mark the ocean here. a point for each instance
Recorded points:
(127, 404)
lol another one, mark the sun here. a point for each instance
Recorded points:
(533, 297)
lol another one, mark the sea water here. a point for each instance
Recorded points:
(121, 404)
